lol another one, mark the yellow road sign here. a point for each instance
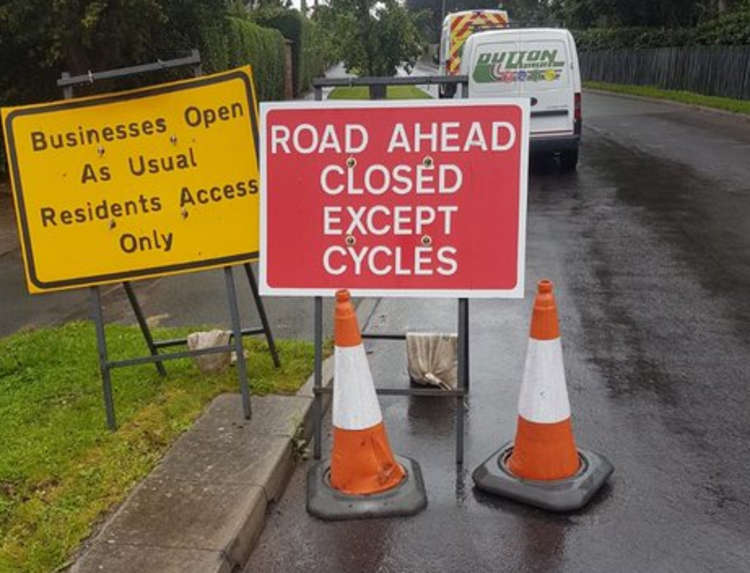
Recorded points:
(136, 184)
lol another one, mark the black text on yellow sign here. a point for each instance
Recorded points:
(136, 184)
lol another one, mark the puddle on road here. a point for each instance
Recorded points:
(663, 306)
(704, 221)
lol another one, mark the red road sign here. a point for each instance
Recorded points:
(394, 198)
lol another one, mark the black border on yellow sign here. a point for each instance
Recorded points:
(106, 99)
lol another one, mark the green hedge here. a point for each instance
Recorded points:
(732, 29)
(244, 42)
(224, 42)
(310, 55)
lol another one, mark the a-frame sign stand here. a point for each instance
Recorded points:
(66, 82)
(462, 366)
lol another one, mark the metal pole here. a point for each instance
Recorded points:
(318, 93)
(462, 322)
(101, 341)
(67, 90)
(318, 405)
(144, 326)
(262, 314)
(88, 78)
(238, 348)
(197, 68)
(465, 301)
(467, 330)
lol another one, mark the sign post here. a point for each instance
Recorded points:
(407, 198)
(138, 184)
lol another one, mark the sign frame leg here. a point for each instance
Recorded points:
(462, 368)
(318, 379)
(262, 315)
(145, 330)
(101, 341)
(239, 349)
(467, 376)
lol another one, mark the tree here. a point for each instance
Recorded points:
(434, 10)
(39, 39)
(82, 35)
(371, 37)
(581, 14)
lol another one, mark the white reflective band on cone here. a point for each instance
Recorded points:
(355, 403)
(544, 396)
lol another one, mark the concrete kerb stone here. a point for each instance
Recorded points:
(162, 559)
(204, 506)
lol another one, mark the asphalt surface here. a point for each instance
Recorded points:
(649, 249)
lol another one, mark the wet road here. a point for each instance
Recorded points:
(649, 248)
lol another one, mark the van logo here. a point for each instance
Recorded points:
(518, 66)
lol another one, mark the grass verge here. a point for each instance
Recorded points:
(393, 92)
(723, 103)
(60, 468)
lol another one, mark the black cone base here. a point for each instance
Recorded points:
(567, 494)
(407, 498)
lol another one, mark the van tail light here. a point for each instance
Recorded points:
(577, 114)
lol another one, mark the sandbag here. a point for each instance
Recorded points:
(210, 363)
(432, 359)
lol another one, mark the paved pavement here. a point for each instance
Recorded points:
(202, 508)
(649, 250)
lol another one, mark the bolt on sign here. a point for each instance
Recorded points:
(136, 184)
(394, 198)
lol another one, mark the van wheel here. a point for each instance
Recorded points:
(569, 160)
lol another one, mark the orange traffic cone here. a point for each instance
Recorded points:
(544, 447)
(364, 477)
(543, 467)
(362, 461)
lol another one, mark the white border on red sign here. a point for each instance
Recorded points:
(516, 292)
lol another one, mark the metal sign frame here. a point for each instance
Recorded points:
(463, 382)
(67, 83)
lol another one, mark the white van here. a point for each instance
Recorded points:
(457, 26)
(539, 63)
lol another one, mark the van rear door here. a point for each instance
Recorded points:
(544, 73)
(488, 76)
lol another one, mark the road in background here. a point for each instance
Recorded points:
(648, 247)
(194, 299)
